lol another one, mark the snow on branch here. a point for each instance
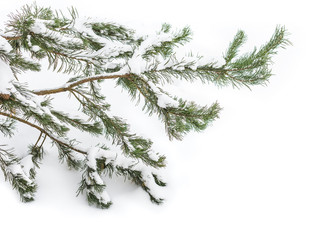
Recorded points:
(100, 161)
(93, 50)
(21, 177)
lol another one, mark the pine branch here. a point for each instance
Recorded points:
(95, 51)
(179, 116)
(115, 128)
(51, 136)
(14, 172)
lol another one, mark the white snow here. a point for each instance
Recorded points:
(164, 100)
(91, 156)
(275, 186)
(4, 45)
(40, 27)
(153, 155)
(180, 62)
(155, 190)
(34, 101)
(137, 64)
(17, 170)
(94, 175)
(103, 196)
(111, 48)
(6, 76)
(35, 48)
(27, 164)
(116, 158)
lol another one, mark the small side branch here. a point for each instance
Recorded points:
(4, 96)
(43, 131)
(38, 139)
(77, 83)
(11, 38)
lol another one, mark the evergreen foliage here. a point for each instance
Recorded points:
(94, 51)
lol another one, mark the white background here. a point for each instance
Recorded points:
(259, 172)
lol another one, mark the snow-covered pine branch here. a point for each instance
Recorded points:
(19, 172)
(90, 51)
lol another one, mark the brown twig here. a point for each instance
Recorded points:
(11, 38)
(4, 96)
(243, 82)
(77, 83)
(43, 131)
(44, 139)
(38, 139)
(73, 91)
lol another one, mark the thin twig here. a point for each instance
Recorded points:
(77, 83)
(4, 96)
(73, 91)
(44, 139)
(11, 38)
(38, 139)
(43, 131)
